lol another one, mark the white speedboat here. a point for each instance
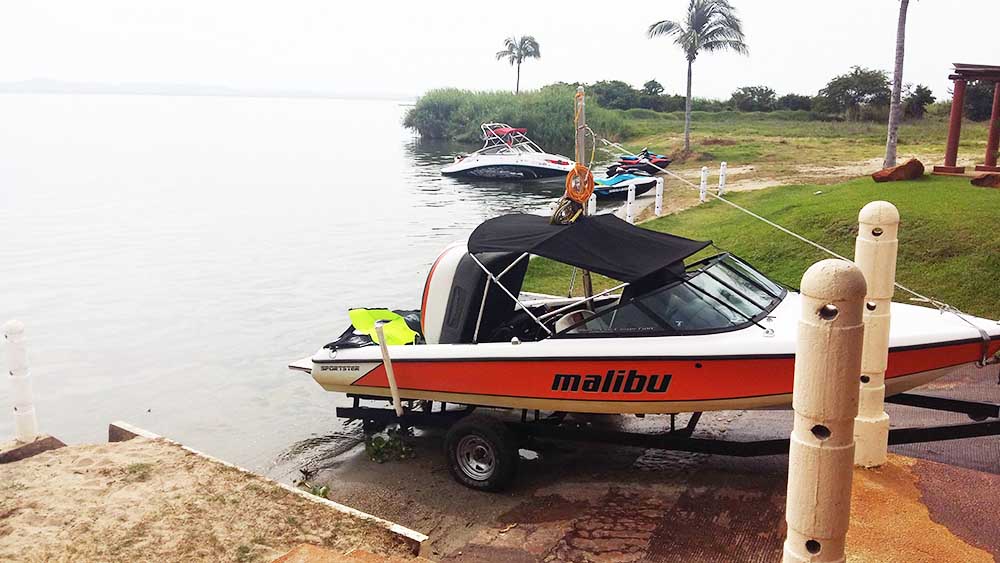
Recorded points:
(508, 154)
(714, 334)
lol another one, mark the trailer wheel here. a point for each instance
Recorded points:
(482, 453)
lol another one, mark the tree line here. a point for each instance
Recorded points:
(859, 95)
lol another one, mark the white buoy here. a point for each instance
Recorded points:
(659, 197)
(397, 404)
(722, 178)
(630, 205)
(592, 205)
(825, 400)
(875, 253)
(25, 421)
(703, 189)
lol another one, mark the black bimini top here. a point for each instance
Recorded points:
(602, 243)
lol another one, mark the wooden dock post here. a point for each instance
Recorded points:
(580, 108)
(825, 399)
(875, 254)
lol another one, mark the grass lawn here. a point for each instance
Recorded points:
(949, 237)
(782, 146)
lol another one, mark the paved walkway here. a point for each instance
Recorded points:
(579, 502)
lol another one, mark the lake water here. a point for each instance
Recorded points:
(170, 255)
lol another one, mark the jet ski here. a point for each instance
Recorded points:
(617, 186)
(672, 335)
(508, 154)
(645, 161)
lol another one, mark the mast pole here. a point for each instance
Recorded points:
(581, 157)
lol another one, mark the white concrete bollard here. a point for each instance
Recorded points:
(722, 178)
(592, 205)
(703, 189)
(659, 197)
(875, 253)
(630, 205)
(25, 421)
(825, 399)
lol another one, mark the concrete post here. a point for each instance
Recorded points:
(592, 205)
(703, 188)
(875, 253)
(954, 132)
(25, 421)
(659, 197)
(722, 178)
(993, 141)
(825, 399)
(630, 205)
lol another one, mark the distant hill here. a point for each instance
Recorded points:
(49, 86)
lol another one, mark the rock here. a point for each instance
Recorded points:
(909, 170)
(991, 180)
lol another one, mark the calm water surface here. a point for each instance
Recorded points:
(170, 255)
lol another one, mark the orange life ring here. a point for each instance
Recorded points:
(579, 184)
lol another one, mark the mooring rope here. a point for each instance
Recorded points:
(940, 305)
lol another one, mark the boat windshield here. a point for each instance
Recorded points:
(500, 138)
(719, 294)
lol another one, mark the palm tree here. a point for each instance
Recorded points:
(896, 108)
(516, 50)
(710, 25)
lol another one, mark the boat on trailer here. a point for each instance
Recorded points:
(668, 337)
(508, 154)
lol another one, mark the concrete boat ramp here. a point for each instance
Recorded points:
(149, 498)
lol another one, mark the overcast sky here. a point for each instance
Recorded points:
(388, 47)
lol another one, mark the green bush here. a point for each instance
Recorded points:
(455, 114)
(640, 113)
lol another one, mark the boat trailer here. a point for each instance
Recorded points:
(555, 426)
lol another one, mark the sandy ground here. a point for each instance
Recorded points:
(148, 500)
(588, 502)
(679, 195)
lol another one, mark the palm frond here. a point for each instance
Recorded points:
(726, 44)
(663, 28)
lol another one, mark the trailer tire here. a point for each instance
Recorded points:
(482, 453)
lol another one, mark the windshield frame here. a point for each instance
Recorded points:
(699, 268)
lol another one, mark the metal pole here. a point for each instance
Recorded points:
(825, 399)
(659, 196)
(722, 178)
(397, 404)
(703, 188)
(875, 254)
(25, 421)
